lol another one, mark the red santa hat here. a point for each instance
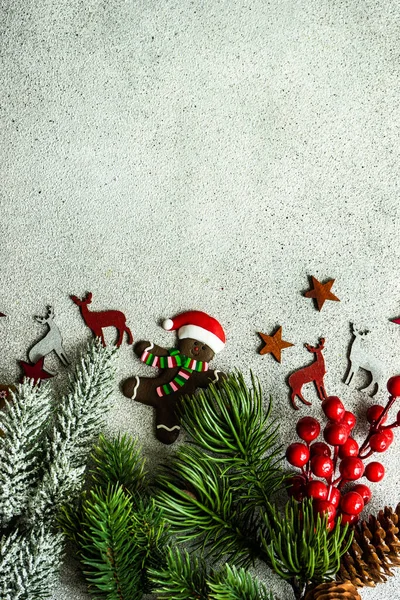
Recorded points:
(199, 326)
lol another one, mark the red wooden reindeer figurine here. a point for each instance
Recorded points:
(106, 318)
(314, 372)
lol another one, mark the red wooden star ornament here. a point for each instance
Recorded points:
(274, 344)
(36, 371)
(321, 292)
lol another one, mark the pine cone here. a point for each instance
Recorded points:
(333, 590)
(375, 550)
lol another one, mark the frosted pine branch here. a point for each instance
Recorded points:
(29, 563)
(24, 422)
(77, 423)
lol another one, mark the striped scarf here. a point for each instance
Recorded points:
(174, 359)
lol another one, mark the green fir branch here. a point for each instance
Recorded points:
(119, 533)
(237, 584)
(185, 576)
(199, 503)
(24, 422)
(119, 462)
(111, 562)
(301, 548)
(229, 422)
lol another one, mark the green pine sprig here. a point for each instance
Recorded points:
(301, 548)
(215, 490)
(186, 576)
(118, 529)
(119, 462)
(229, 422)
(111, 562)
(237, 584)
(198, 501)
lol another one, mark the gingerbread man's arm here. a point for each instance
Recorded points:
(140, 347)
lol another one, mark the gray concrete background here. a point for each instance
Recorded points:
(204, 155)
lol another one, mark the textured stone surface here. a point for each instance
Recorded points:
(204, 155)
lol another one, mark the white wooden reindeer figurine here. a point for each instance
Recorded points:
(361, 358)
(51, 341)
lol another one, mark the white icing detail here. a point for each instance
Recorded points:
(168, 324)
(168, 428)
(216, 372)
(135, 389)
(149, 347)
(203, 335)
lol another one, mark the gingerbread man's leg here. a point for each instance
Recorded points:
(167, 424)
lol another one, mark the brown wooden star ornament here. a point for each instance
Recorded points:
(274, 344)
(321, 292)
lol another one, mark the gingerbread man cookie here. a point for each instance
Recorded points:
(183, 370)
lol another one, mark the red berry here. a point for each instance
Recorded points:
(320, 449)
(334, 495)
(398, 418)
(393, 386)
(350, 519)
(336, 434)
(374, 412)
(364, 492)
(351, 468)
(389, 434)
(308, 429)
(352, 503)
(322, 466)
(333, 408)
(374, 471)
(349, 419)
(349, 448)
(317, 489)
(297, 454)
(379, 442)
(297, 487)
(323, 506)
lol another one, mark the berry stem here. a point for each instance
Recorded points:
(375, 426)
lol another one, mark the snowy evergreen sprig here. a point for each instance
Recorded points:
(77, 423)
(30, 563)
(43, 456)
(24, 423)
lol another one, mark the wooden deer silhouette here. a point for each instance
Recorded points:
(314, 372)
(52, 341)
(96, 321)
(360, 358)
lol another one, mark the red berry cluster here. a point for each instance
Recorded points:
(340, 452)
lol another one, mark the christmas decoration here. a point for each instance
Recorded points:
(117, 529)
(333, 590)
(274, 344)
(96, 321)
(42, 459)
(217, 491)
(186, 576)
(360, 358)
(340, 452)
(321, 292)
(183, 370)
(52, 341)
(311, 373)
(35, 372)
(375, 550)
